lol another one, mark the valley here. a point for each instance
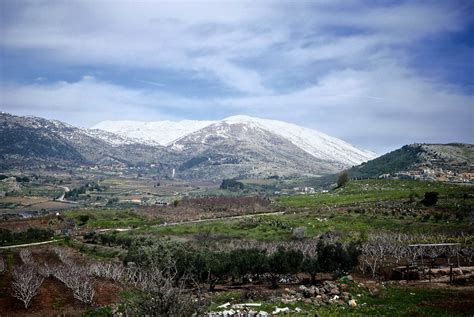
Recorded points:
(117, 221)
(239, 216)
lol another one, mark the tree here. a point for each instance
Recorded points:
(431, 198)
(342, 179)
(161, 295)
(231, 184)
(311, 266)
(2, 265)
(284, 262)
(25, 283)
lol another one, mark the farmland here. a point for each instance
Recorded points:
(193, 225)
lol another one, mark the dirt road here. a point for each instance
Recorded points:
(166, 224)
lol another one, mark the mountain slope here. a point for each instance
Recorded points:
(317, 144)
(27, 141)
(152, 133)
(239, 146)
(425, 161)
(37, 141)
(225, 150)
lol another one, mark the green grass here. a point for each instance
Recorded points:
(401, 301)
(280, 227)
(110, 218)
(392, 301)
(363, 191)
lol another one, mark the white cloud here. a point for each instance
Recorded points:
(388, 103)
(211, 38)
(352, 55)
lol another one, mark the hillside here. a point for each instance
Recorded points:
(32, 141)
(441, 162)
(239, 146)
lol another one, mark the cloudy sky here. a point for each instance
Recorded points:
(378, 74)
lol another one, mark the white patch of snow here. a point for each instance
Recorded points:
(317, 144)
(153, 133)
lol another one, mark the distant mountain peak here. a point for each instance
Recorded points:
(168, 133)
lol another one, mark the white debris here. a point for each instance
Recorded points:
(280, 310)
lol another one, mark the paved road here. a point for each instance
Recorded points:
(27, 244)
(166, 224)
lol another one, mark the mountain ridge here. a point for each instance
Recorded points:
(235, 147)
(318, 144)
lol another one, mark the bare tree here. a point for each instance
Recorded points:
(25, 283)
(162, 295)
(84, 291)
(76, 278)
(2, 265)
(26, 256)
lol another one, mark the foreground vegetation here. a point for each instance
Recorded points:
(251, 249)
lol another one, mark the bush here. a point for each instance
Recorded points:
(342, 179)
(23, 179)
(231, 184)
(298, 233)
(431, 198)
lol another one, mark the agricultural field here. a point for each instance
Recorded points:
(344, 251)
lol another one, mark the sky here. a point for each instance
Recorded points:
(377, 74)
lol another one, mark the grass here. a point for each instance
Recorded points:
(363, 191)
(392, 301)
(96, 252)
(404, 301)
(280, 227)
(110, 218)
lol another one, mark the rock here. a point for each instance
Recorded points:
(280, 310)
(345, 296)
(314, 290)
(375, 292)
(352, 303)
(224, 305)
(262, 313)
(350, 278)
(307, 292)
(334, 291)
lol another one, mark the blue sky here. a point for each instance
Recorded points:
(378, 74)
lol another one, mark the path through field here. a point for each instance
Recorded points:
(166, 224)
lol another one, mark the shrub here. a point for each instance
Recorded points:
(231, 184)
(298, 233)
(431, 198)
(342, 179)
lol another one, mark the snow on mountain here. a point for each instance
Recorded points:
(152, 133)
(113, 139)
(319, 145)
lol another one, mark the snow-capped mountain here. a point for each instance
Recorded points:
(246, 150)
(239, 146)
(32, 141)
(152, 133)
(319, 145)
